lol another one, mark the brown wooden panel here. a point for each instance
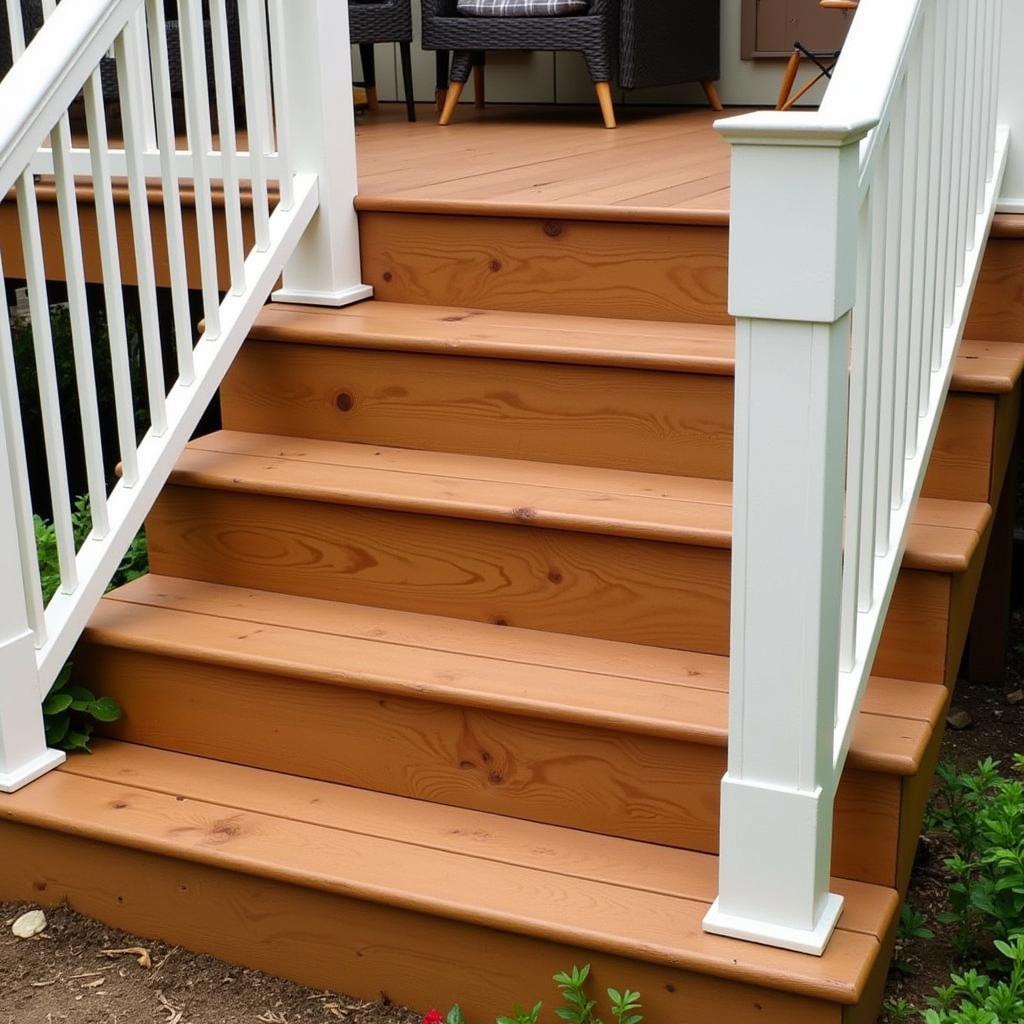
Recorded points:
(53, 258)
(348, 945)
(643, 271)
(961, 462)
(583, 415)
(997, 312)
(914, 639)
(668, 595)
(637, 787)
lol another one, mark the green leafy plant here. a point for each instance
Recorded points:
(521, 1016)
(898, 1011)
(71, 712)
(983, 813)
(973, 998)
(624, 1006)
(580, 1009)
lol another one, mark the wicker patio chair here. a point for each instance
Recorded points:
(383, 21)
(594, 33)
(641, 42)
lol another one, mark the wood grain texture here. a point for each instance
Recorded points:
(636, 271)
(633, 787)
(979, 366)
(666, 595)
(660, 422)
(323, 844)
(597, 416)
(348, 945)
(624, 589)
(625, 687)
(997, 312)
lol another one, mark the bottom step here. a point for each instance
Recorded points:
(366, 893)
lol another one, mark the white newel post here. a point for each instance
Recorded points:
(316, 92)
(23, 752)
(792, 282)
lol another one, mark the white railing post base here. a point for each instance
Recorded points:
(23, 752)
(343, 297)
(752, 930)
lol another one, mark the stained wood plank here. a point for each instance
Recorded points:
(943, 535)
(180, 901)
(609, 685)
(648, 271)
(655, 869)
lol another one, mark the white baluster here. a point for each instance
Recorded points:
(138, 199)
(110, 265)
(254, 69)
(173, 226)
(197, 108)
(228, 144)
(279, 64)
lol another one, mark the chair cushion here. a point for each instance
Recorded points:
(521, 8)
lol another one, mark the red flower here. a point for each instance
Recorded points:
(433, 1017)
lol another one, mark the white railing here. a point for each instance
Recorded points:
(293, 187)
(856, 238)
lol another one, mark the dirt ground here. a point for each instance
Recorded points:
(66, 975)
(997, 731)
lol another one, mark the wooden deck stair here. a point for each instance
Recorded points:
(434, 656)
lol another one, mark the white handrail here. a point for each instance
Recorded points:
(856, 238)
(309, 238)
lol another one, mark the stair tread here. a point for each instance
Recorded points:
(944, 534)
(605, 684)
(638, 900)
(981, 366)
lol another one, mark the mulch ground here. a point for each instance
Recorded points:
(997, 731)
(65, 975)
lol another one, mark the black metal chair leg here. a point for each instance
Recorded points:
(366, 57)
(405, 50)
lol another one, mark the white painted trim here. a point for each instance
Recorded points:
(345, 297)
(814, 942)
(11, 782)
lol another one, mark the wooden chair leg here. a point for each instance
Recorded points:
(788, 80)
(604, 97)
(442, 60)
(711, 92)
(366, 57)
(479, 80)
(405, 50)
(451, 101)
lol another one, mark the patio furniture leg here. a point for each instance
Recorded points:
(405, 49)
(711, 92)
(366, 56)
(451, 101)
(479, 80)
(441, 60)
(604, 97)
(788, 80)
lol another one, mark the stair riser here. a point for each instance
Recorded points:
(536, 265)
(638, 787)
(347, 945)
(642, 420)
(614, 588)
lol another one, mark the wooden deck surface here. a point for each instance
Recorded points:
(659, 164)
